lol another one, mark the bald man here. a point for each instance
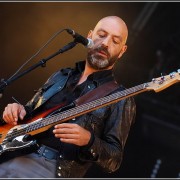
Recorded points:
(69, 149)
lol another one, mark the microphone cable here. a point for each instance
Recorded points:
(33, 56)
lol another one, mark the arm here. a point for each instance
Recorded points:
(107, 151)
(14, 111)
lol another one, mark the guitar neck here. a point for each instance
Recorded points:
(43, 124)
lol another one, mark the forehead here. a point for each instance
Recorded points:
(111, 25)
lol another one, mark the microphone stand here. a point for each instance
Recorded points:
(41, 63)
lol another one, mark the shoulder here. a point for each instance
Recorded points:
(58, 74)
(61, 72)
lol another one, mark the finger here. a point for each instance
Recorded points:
(15, 111)
(65, 131)
(22, 113)
(9, 115)
(8, 120)
(67, 136)
(70, 141)
(66, 125)
(5, 115)
(18, 111)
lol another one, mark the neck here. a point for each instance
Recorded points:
(87, 71)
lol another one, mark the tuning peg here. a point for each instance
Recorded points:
(153, 80)
(162, 78)
(161, 82)
(172, 75)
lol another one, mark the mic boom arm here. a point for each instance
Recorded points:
(87, 42)
(41, 63)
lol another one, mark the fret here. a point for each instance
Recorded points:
(68, 114)
(157, 84)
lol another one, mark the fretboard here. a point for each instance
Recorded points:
(87, 107)
(78, 110)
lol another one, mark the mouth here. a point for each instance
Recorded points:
(102, 53)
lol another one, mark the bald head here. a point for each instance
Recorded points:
(114, 23)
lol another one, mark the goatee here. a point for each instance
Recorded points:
(97, 61)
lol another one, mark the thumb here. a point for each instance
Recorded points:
(22, 113)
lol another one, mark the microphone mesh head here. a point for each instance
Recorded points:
(90, 43)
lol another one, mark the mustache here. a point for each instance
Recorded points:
(102, 48)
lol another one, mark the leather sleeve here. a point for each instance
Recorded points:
(107, 151)
(31, 104)
(57, 76)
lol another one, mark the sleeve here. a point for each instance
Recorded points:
(107, 151)
(30, 105)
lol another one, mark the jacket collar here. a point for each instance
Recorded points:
(98, 77)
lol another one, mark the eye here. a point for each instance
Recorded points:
(101, 35)
(116, 41)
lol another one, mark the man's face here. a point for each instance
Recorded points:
(108, 37)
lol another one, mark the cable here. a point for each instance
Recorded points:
(33, 56)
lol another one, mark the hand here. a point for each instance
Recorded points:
(12, 112)
(72, 133)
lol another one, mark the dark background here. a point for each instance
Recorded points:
(153, 146)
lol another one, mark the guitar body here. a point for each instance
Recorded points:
(11, 139)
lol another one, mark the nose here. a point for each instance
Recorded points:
(106, 41)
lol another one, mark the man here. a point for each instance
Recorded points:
(95, 137)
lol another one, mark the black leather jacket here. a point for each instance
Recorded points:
(109, 126)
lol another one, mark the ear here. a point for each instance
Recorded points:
(90, 34)
(123, 50)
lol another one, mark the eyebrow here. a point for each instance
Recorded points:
(120, 37)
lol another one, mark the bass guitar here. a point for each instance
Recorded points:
(15, 137)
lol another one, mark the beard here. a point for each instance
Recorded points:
(98, 62)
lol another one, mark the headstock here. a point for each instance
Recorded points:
(163, 82)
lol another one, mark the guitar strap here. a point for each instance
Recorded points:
(97, 93)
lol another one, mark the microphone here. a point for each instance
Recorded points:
(87, 42)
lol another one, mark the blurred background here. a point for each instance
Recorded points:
(153, 145)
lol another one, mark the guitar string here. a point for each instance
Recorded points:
(76, 109)
(39, 124)
(73, 111)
